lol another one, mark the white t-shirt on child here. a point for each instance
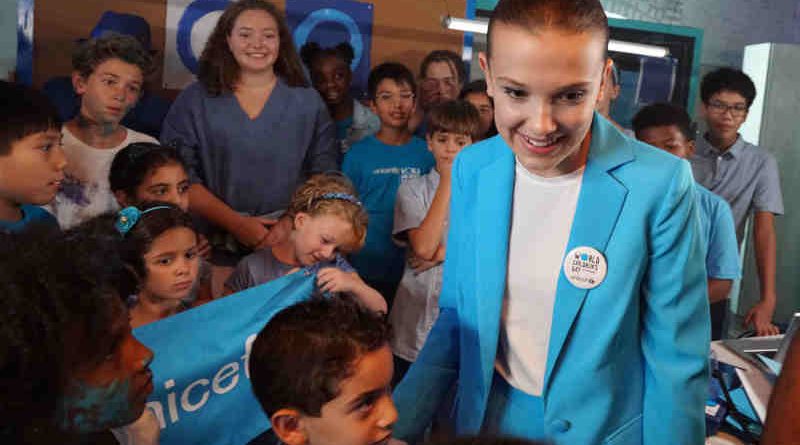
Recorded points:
(85, 191)
(541, 222)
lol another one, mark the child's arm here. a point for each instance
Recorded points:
(718, 290)
(760, 315)
(332, 279)
(426, 239)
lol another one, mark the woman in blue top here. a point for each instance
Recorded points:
(250, 129)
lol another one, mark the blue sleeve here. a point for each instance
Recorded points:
(722, 259)
(351, 168)
(420, 394)
(323, 153)
(178, 131)
(675, 321)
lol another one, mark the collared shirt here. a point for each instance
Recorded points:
(744, 175)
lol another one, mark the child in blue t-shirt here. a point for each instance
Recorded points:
(378, 164)
(31, 159)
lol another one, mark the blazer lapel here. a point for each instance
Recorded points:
(599, 204)
(494, 189)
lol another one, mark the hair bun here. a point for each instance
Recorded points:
(346, 51)
(309, 51)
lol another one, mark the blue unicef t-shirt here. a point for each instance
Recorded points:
(31, 216)
(377, 169)
(719, 235)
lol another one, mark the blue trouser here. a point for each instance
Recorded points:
(511, 412)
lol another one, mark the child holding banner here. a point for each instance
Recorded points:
(326, 218)
(321, 371)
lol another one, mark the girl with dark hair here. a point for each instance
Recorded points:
(250, 129)
(332, 76)
(160, 246)
(144, 172)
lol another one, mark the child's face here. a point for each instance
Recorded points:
(168, 183)
(109, 92)
(439, 85)
(545, 88)
(445, 146)
(669, 138)
(32, 171)
(317, 238)
(331, 77)
(172, 264)
(725, 112)
(363, 413)
(112, 392)
(485, 109)
(254, 41)
(393, 103)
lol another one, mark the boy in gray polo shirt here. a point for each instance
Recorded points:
(420, 221)
(744, 175)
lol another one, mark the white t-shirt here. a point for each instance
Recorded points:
(541, 222)
(85, 191)
(416, 304)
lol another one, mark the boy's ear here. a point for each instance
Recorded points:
(606, 74)
(78, 83)
(483, 61)
(122, 198)
(692, 147)
(300, 219)
(371, 104)
(287, 426)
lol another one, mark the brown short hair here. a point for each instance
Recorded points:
(455, 116)
(91, 53)
(571, 15)
(450, 58)
(305, 351)
(23, 112)
(217, 69)
(314, 198)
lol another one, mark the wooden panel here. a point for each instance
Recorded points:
(403, 30)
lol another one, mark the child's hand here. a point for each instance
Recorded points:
(419, 265)
(203, 246)
(331, 279)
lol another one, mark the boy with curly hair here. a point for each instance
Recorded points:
(108, 73)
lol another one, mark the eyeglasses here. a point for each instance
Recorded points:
(388, 97)
(737, 110)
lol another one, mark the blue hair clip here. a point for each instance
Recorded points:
(129, 216)
(341, 196)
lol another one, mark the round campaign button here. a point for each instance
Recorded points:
(585, 267)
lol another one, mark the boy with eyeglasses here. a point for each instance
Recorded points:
(744, 175)
(377, 165)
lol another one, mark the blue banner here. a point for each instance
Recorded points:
(202, 387)
(330, 22)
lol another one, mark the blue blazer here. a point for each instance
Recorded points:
(627, 360)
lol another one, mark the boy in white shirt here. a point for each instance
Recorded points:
(108, 73)
(420, 221)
